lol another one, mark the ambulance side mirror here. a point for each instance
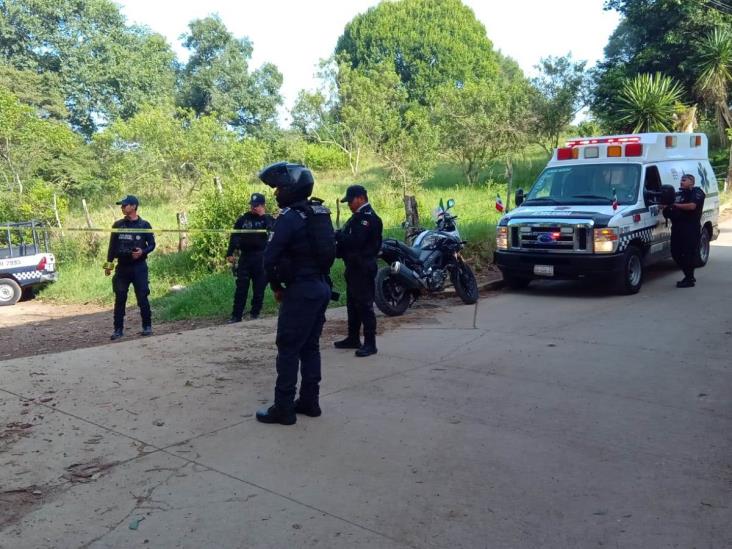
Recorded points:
(518, 198)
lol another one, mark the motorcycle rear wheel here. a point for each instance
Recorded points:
(465, 284)
(390, 297)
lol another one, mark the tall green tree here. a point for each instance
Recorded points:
(560, 92)
(40, 91)
(106, 69)
(481, 122)
(653, 36)
(216, 79)
(427, 43)
(715, 79)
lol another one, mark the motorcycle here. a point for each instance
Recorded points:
(424, 267)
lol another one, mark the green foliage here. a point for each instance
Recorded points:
(106, 70)
(560, 92)
(653, 36)
(715, 78)
(218, 211)
(216, 79)
(482, 122)
(428, 43)
(37, 154)
(160, 151)
(648, 103)
(40, 91)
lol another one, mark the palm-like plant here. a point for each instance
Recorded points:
(648, 102)
(715, 77)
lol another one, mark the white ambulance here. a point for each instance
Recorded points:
(594, 211)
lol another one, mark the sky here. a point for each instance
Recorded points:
(296, 34)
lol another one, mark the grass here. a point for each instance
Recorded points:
(210, 294)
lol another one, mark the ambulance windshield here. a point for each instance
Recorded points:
(580, 184)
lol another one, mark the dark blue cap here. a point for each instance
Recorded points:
(257, 200)
(129, 200)
(354, 191)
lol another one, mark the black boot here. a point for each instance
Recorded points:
(369, 346)
(686, 283)
(234, 320)
(146, 331)
(273, 414)
(118, 333)
(351, 342)
(309, 408)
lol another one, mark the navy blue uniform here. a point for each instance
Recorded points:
(359, 243)
(130, 271)
(292, 268)
(250, 266)
(686, 229)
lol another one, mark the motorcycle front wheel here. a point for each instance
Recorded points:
(390, 297)
(465, 284)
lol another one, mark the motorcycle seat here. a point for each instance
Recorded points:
(411, 252)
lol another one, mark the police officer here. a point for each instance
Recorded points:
(130, 249)
(685, 215)
(359, 243)
(251, 249)
(297, 260)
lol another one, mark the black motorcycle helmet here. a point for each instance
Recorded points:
(294, 182)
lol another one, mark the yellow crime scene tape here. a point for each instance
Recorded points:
(110, 230)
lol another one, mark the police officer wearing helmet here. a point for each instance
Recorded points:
(251, 250)
(130, 249)
(297, 261)
(685, 215)
(359, 243)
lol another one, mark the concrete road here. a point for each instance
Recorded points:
(569, 418)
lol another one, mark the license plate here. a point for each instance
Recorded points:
(544, 270)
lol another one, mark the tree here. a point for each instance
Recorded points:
(653, 36)
(482, 122)
(106, 70)
(713, 83)
(427, 43)
(40, 91)
(648, 103)
(37, 156)
(216, 79)
(560, 93)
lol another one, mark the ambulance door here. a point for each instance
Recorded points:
(653, 218)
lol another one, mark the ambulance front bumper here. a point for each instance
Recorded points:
(562, 266)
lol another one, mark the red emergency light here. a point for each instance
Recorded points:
(567, 153)
(634, 149)
(598, 140)
(41, 264)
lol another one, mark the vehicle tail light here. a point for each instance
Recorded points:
(634, 149)
(614, 151)
(670, 141)
(41, 264)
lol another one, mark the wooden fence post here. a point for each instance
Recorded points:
(58, 217)
(182, 234)
(412, 215)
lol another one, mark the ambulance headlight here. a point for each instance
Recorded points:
(606, 241)
(502, 238)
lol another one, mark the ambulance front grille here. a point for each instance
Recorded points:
(550, 238)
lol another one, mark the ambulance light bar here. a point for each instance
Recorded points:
(600, 140)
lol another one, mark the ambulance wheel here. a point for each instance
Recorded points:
(704, 247)
(630, 278)
(10, 292)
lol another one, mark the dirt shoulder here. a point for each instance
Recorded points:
(36, 327)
